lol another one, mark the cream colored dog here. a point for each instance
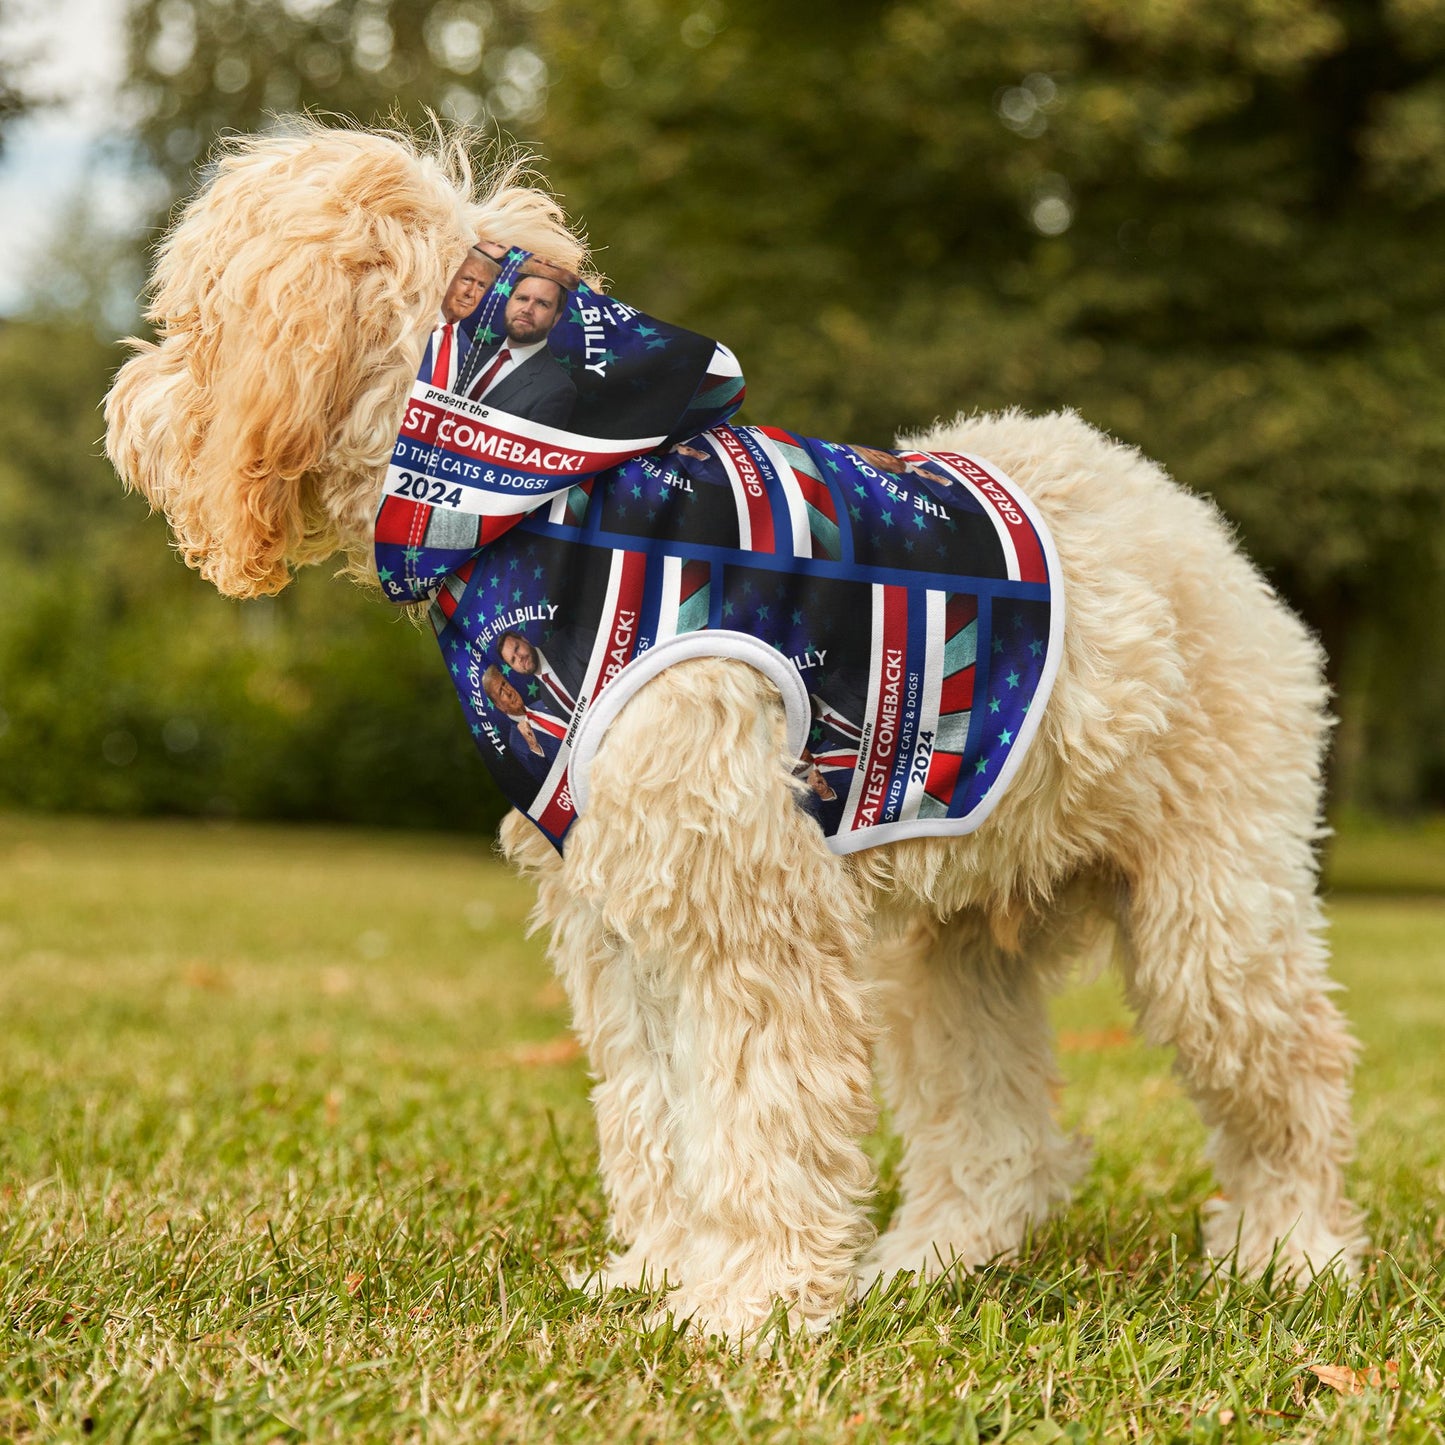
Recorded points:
(729, 976)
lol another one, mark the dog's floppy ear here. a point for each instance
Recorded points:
(290, 300)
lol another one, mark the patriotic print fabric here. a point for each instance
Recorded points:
(907, 604)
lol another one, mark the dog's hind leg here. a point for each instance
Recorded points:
(735, 932)
(1225, 961)
(966, 1061)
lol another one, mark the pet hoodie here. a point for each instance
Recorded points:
(906, 605)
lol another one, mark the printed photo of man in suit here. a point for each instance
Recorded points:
(833, 742)
(522, 377)
(698, 462)
(559, 666)
(447, 347)
(535, 736)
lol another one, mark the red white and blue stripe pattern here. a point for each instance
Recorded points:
(907, 604)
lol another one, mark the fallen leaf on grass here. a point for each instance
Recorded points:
(555, 1051)
(551, 995)
(1346, 1381)
(335, 982)
(203, 976)
(1102, 1039)
(354, 1283)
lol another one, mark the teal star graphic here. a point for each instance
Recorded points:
(665, 493)
(728, 608)
(411, 553)
(998, 644)
(496, 581)
(797, 618)
(1005, 737)
(853, 512)
(918, 521)
(531, 689)
(993, 704)
(1013, 679)
(512, 565)
(1036, 647)
(503, 288)
(817, 734)
(980, 766)
(888, 519)
(656, 345)
(860, 489)
(440, 570)
(762, 614)
(566, 363)
(476, 731)
(506, 670)
(830, 464)
(516, 594)
(575, 314)
(636, 491)
(385, 574)
(536, 573)
(486, 336)
(647, 331)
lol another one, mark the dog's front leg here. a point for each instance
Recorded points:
(732, 933)
(966, 1059)
(625, 1027)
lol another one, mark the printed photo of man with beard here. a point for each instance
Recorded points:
(521, 376)
(559, 666)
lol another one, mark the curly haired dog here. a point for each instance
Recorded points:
(730, 977)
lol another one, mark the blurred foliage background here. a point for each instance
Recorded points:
(1216, 228)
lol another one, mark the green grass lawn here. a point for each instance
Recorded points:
(293, 1146)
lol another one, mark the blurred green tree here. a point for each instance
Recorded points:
(15, 96)
(1217, 230)
(199, 68)
(127, 685)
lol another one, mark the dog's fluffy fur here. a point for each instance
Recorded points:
(729, 976)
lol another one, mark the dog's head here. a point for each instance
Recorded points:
(292, 301)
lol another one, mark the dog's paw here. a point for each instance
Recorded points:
(929, 1256)
(1294, 1246)
(632, 1270)
(757, 1325)
(966, 1227)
